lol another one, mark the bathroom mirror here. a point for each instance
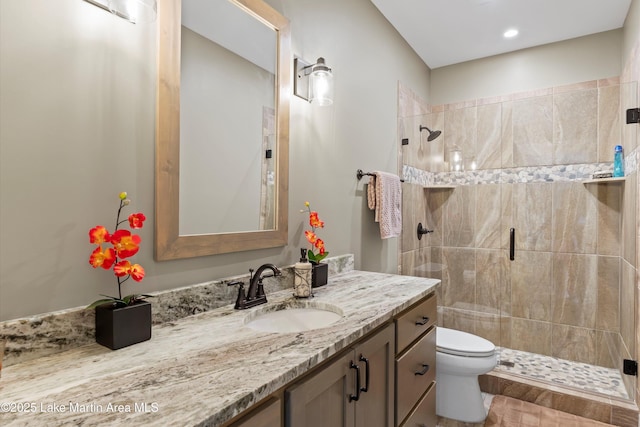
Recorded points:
(222, 127)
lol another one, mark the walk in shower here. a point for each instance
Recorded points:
(563, 310)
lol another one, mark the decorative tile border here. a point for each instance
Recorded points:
(577, 172)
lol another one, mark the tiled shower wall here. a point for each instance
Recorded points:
(570, 291)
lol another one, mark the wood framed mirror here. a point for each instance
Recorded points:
(176, 235)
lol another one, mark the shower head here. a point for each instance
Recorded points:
(433, 134)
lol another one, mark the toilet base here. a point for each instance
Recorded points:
(459, 398)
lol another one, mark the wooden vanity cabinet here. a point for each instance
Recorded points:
(416, 365)
(268, 414)
(333, 397)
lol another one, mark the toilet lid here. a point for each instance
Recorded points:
(461, 343)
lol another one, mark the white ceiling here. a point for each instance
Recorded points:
(445, 32)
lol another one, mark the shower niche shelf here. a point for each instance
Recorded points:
(604, 180)
(440, 186)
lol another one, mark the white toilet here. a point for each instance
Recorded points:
(460, 358)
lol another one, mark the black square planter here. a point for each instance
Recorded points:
(123, 326)
(319, 274)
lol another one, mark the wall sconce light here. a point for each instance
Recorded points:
(133, 11)
(313, 82)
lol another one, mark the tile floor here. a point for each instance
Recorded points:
(581, 376)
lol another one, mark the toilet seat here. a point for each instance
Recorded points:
(460, 343)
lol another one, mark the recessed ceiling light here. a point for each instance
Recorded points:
(510, 33)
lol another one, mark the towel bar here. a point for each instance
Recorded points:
(360, 174)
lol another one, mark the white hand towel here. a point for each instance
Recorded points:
(384, 194)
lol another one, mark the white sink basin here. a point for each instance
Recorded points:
(293, 316)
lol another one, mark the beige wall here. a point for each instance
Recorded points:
(586, 58)
(77, 127)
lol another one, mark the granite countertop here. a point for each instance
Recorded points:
(200, 370)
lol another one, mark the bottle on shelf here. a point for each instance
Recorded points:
(618, 162)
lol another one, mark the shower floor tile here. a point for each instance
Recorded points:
(581, 376)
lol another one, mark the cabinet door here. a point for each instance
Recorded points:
(267, 415)
(375, 406)
(323, 399)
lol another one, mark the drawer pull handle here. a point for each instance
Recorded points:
(357, 395)
(425, 369)
(366, 373)
(422, 322)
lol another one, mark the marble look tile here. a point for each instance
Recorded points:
(434, 150)
(572, 343)
(624, 417)
(505, 332)
(412, 154)
(581, 86)
(608, 199)
(436, 201)
(607, 349)
(459, 276)
(575, 127)
(629, 218)
(410, 103)
(461, 320)
(489, 280)
(627, 305)
(575, 287)
(629, 99)
(507, 135)
(528, 393)
(608, 122)
(487, 326)
(488, 216)
(459, 217)
(531, 286)
(414, 210)
(574, 218)
(533, 93)
(609, 81)
(488, 138)
(533, 131)
(608, 309)
(532, 216)
(423, 262)
(588, 409)
(507, 220)
(531, 336)
(460, 130)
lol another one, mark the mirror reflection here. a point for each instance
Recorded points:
(227, 119)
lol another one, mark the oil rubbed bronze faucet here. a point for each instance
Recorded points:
(255, 295)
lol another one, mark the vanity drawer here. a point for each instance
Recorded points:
(415, 322)
(415, 372)
(425, 413)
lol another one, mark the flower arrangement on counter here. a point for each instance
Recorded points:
(312, 237)
(111, 251)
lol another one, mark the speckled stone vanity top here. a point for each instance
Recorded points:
(200, 370)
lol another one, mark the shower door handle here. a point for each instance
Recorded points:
(512, 244)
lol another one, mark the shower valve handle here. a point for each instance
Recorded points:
(422, 230)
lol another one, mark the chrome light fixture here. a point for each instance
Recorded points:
(313, 82)
(132, 10)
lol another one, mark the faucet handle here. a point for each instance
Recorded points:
(236, 282)
(242, 298)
